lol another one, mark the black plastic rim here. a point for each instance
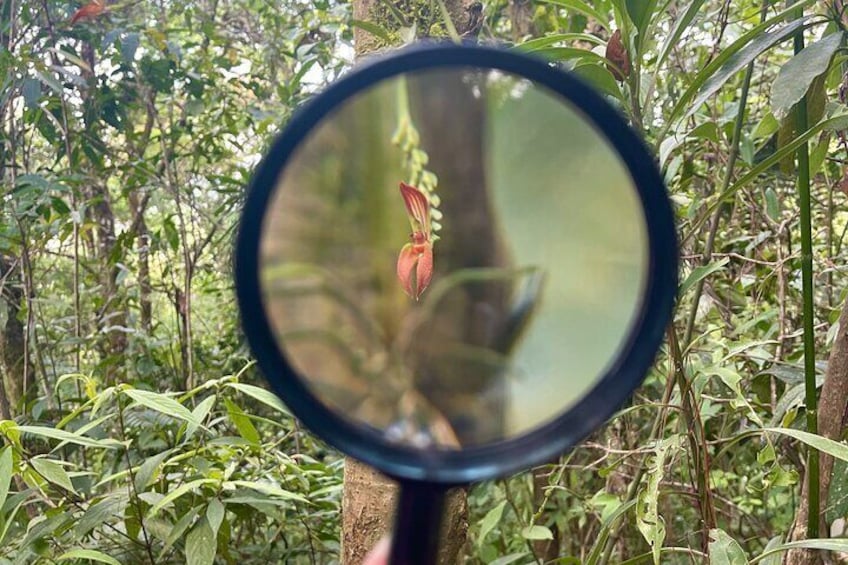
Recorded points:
(541, 444)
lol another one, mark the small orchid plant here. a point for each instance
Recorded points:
(415, 262)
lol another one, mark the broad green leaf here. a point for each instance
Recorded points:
(215, 515)
(200, 544)
(536, 532)
(570, 54)
(836, 544)
(583, 8)
(773, 558)
(242, 422)
(548, 40)
(599, 77)
(266, 488)
(702, 272)
(6, 468)
(264, 396)
(640, 12)
(823, 444)
(53, 472)
(31, 91)
(179, 529)
(178, 492)
(163, 404)
(796, 76)
(200, 412)
(147, 471)
(489, 521)
(128, 47)
(724, 550)
(98, 513)
(90, 554)
(373, 29)
(69, 437)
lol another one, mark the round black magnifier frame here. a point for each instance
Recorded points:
(453, 467)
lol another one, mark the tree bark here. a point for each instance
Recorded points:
(369, 498)
(833, 406)
(11, 341)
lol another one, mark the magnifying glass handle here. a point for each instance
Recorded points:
(415, 540)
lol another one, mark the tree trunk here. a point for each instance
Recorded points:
(369, 498)
(11, 340)
(833, 405)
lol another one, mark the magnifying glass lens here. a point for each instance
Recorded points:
(453, 257)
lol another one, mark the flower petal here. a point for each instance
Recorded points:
(424, 270)
(417, 205)
(406, 263)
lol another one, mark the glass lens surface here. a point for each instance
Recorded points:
(453, 257)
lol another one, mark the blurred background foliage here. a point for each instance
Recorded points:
(135, 427)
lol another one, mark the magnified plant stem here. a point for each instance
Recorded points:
(415, 262)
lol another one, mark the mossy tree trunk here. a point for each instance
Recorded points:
(369, 497)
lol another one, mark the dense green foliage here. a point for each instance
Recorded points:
(134, 423)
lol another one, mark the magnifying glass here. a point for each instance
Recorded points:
(454, 264)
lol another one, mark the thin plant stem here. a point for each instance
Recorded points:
(813, 504)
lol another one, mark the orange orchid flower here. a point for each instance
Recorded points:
(415, 262)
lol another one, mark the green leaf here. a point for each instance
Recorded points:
(581, 8)
(648, 519)
(599, 77)
(215, 515)
(52, 472)
(836, 544)
(266, 488)
(552, 39)
(31, 91)
(98, 513)
(179, 529)
(242, 422)
(90, 554)
(373, 29)
(724, 550)
(147, 472)
(200, 412)
(163, 404)
(536, 532)
(200, 544)
(702, 272)
(69, 437)
(176, 493)
(128, 47)
(823, 444)
(489, 521)
(640, 12)
(266, 397)
(6, 468)
(772, 204)
(796, 76)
